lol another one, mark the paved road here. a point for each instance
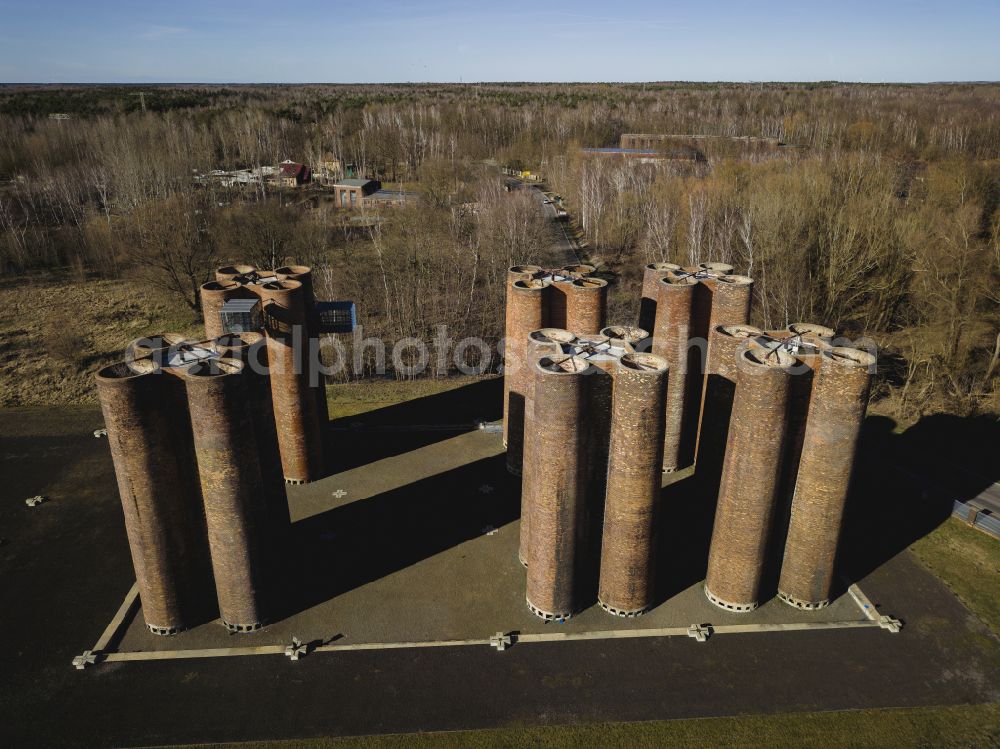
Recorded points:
(564, 248)
(65, 566)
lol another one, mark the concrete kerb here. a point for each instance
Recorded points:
(499, 641)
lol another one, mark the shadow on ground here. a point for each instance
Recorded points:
(65, 567)
(359, 542)
(358, 440)
(904, 487)
(906, 483)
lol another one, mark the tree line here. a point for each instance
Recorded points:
(882, 219)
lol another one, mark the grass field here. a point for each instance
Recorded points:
(968, 562)
(350, 399)
(941, 727)
(55, 334)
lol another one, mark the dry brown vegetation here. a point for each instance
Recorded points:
(906, 254)
(884, 222)
(54, 333)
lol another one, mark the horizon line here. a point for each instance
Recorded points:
(971, 81)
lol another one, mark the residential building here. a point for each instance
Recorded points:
(292, 174)
(329, 170)
(348, 193)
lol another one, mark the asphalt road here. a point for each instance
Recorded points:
(563, 249)
(65, 566)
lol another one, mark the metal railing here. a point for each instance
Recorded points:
(984, 521)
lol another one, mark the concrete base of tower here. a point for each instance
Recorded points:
(728, 605)
(804, 605)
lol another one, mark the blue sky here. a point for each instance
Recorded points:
(550, 40)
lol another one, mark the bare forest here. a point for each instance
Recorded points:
(872, 208)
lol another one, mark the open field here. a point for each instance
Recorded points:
(54, 334)
(349, 399)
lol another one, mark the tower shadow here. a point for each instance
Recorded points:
(685, 516)
(906, 483)
(359, 542)
(353, 441)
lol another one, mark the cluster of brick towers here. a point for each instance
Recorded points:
(204, 436)
(593, 421)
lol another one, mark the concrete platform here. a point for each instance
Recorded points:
(423, 547)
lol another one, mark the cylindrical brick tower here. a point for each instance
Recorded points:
(650, 290)
(516, 273)
(160, 495)
(234, 272)
(719, 300)
(750, 476)
(156, 347)
(731, 301)
(544, 342)
(720, 387)
(299, 434)
(730, 305)
(628, 333)
(720, 269)
(837, 409)
(557, 554)
(811, 330)
(808, 349)
(674, 310)
(586, 305)
(213, 295)
(303, 274)
(251, 349)
(633, 488)
(235, 505)
(522, 272)
(557, 301)
(525, 313)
